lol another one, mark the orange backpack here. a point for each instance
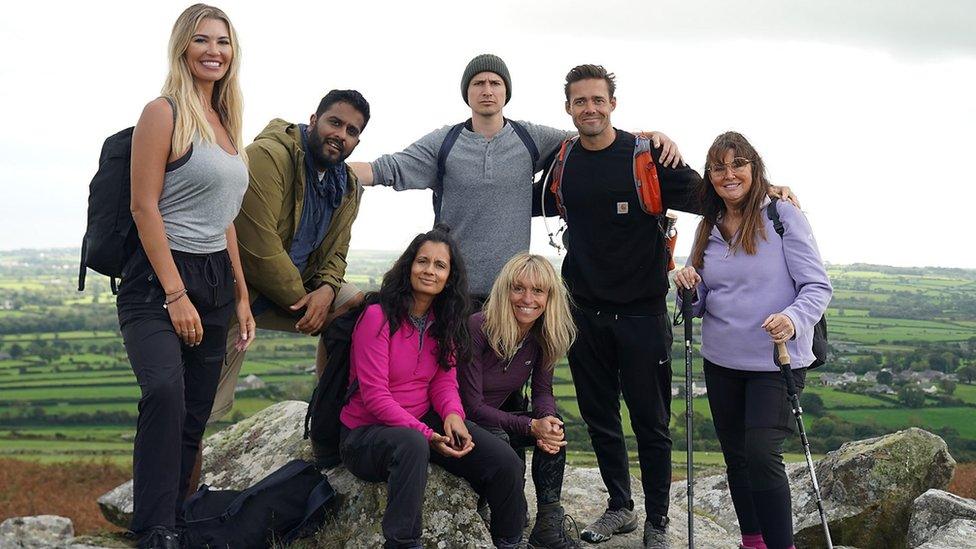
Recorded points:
(646, 184)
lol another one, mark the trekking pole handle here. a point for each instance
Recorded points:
(782, 355)
(686, 298)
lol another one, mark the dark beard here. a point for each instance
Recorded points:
(315, 145)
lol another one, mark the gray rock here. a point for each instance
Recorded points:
(35, 532)
(868, 487)
(957, 534)
(116, 504)
(933, 510)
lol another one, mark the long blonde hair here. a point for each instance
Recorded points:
(554, 330)
(191, 118)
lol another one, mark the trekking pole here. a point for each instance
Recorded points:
(782, 359)
(686, 298)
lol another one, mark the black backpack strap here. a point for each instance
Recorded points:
(526, 140)
(773, 216)
(446, 146)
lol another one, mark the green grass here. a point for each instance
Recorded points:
(71, 393)
(959, 418)
(60, 335)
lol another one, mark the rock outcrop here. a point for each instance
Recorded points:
(938, 515)
(39, 531)
(868, 487)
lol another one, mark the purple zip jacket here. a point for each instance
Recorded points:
(488, 381)
(738, 291)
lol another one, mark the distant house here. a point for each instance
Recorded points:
(879, 389)
(250, 382)
(5, 356)
(696, 390)
(930, 390)
(871, 377)
(928, 376)
(837, 380)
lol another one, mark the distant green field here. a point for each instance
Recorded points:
(961, 418)
(59, 335)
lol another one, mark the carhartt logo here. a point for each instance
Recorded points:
(622, 208)
(527, 362)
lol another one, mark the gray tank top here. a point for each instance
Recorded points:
(202, 193)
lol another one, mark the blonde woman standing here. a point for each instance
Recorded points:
(526, 326)
(183, 283)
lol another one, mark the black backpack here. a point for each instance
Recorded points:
(111, 237)
(333, 390)
(282, 507)
(448, 144)
(820, 328)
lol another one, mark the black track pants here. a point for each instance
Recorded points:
(752, 418)
(177, 382)
(616, 354)
(399, 456)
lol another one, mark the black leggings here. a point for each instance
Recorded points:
(752, 418)
(177, 382)
(547, 469)
(399, 456)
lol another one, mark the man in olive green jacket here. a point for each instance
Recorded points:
(294, 227)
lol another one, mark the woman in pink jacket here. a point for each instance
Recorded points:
(406, 410)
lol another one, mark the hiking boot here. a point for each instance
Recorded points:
(515, 542)
(655, 537)
(550, 532)
(613, 521)
(160, 537)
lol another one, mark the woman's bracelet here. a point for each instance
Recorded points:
(175, 299)
(176, 292)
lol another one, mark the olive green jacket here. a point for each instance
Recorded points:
(270, 214)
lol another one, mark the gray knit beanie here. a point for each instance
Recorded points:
(490, 63)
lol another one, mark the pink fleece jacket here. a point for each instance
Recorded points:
(398, 381)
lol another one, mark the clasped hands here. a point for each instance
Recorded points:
(549, 434)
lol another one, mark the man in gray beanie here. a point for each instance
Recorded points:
(481, 172)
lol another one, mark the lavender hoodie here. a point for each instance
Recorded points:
(738, 291)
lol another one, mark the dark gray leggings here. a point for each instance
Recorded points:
(752, 418)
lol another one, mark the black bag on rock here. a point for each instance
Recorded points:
(282, 507)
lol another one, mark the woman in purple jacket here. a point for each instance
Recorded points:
(753, 289)
(526, 326)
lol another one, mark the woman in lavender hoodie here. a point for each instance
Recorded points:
(753, 289)
(406, 410)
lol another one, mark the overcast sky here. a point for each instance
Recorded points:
(864, 108)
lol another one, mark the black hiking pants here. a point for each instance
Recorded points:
(177, 382)
(752, 418)
(399, 456)
(547, 469)
(616, 354)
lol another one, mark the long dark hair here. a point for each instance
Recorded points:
(450, 307)
(713, 207)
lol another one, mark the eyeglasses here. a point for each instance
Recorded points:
(738, 164)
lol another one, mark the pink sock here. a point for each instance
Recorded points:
(753, 541)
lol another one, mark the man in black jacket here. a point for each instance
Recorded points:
(616, 269)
